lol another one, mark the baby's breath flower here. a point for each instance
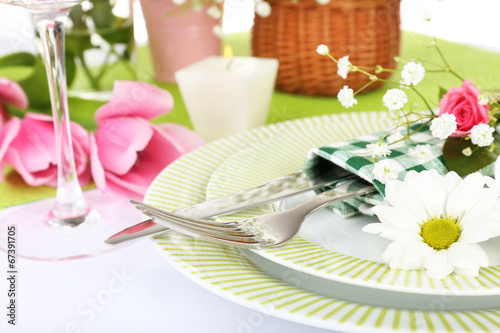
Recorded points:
(482, 135)
(346, 97)
(322, 49)
(263, 9)
(467, 151)
(323, 2)
(344, 67)
(214, 12)
(443, 126)
(483, 99)
(395, 99)
(427, 15)
(412, 73)
(378, 149)
(394, 137)
(421, 153)
(178, 2)
(217, 30)
(386, 170)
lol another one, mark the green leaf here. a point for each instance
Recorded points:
(16, 73)
(464, 165)
(122, 32)
(102, 14)
(77, 41)
(442, 92)
(36, 87)
(18, 59)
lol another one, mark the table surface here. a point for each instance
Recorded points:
(130, 289)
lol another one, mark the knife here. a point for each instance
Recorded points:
(274, 190)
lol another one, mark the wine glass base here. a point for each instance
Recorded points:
(29, 233)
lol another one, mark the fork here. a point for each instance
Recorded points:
(257, 232)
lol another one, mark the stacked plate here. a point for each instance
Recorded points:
(331, 275)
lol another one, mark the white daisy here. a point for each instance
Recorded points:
(344, 67)
(322, 49)
(378, 149)
(386, 170)
(482, 135)
(443, 126)
(412, 73)
(421, 153)
(394, 99)
(346, 97)
(435, 222)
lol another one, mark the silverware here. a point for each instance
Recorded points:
(258, 232)
(271, 191)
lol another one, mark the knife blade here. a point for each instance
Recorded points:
(274, 190)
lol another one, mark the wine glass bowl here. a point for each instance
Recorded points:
(67, 227)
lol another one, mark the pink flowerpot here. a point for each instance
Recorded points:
(178, 40)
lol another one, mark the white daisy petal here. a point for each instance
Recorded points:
(481, 228)
(467, 256)
(391, 250)
(397, 218)
(414, 255)
(437, 265)
(374, 228)
(486, 201)
(431, 189)
(465, 194)
(400, 194)
(472, 272)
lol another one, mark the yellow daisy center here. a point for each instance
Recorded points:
(440, 233)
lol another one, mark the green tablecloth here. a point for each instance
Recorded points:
(479, 65)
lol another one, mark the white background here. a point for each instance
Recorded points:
(57, 297)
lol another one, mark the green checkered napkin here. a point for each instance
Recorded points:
(353, 156)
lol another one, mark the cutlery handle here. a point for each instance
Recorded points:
(329, 197)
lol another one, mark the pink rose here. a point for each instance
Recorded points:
(11, 93)
(127, 151)
(29, 146)
(464, 104)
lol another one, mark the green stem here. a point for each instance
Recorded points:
(423, 98)
(366, 85)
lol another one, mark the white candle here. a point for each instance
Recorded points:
(224, 96)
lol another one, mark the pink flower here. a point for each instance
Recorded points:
(127, 151)
(464, 104)
(29, 146)
(11, 93)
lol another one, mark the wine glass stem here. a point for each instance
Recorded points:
(70, 207)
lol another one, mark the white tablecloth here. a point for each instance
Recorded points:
(130, 289)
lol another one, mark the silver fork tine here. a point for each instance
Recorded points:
(223, 238)
(230, 228)
(200, 227)
(160, 212)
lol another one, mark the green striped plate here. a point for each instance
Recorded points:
(230, 273)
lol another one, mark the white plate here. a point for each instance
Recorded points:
(230, 274)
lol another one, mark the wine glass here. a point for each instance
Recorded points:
(70, 227)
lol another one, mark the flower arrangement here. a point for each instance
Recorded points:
(122, 156)
(434, 222)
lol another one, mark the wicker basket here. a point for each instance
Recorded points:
(366, 30)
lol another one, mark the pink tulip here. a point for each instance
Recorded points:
(127, 151)
(28, 145)
(11, 93)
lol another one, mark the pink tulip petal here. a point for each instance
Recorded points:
(96, 166)
(119, 140)
(7, 135)
(184, 138)
(136, 99)
(11, 93)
